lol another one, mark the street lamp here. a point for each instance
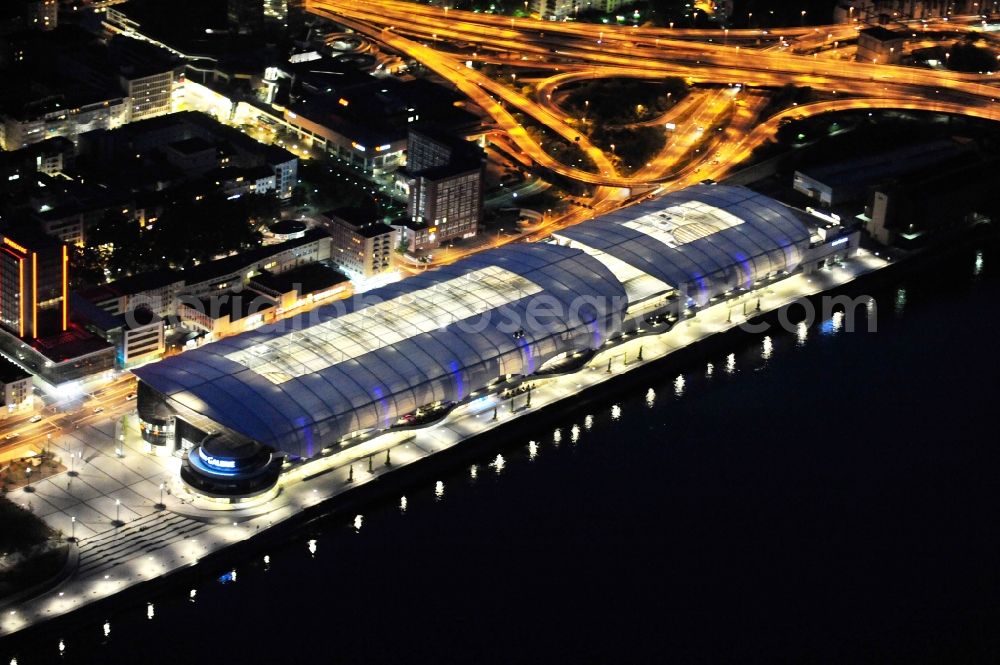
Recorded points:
(118, 512)
(72, 522)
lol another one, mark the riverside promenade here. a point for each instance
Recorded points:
(129, 531)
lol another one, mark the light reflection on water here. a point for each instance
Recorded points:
(833, 325)
(751, 356)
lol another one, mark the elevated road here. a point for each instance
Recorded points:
(443, 41)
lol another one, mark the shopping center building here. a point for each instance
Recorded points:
(345, 373)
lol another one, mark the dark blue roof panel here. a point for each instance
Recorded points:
(306, 382)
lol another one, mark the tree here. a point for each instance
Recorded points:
(299, 196)
(196, 229)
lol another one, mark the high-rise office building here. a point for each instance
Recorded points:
(444, 176)
(33, 282)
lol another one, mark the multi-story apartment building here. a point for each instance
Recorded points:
(160, 291)
(16, 384)
(195, 144)
(66, 83)
(558, 10)
(360, 244)
(59, 115)
(880, 11)
(42, 14)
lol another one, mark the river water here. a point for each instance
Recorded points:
(817, 496)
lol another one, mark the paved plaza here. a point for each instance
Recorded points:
(125, 536)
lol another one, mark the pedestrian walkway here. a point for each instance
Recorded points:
(127, 538)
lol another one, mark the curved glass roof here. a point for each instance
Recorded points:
(362, 363)
(356, 365)
(702, 241)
